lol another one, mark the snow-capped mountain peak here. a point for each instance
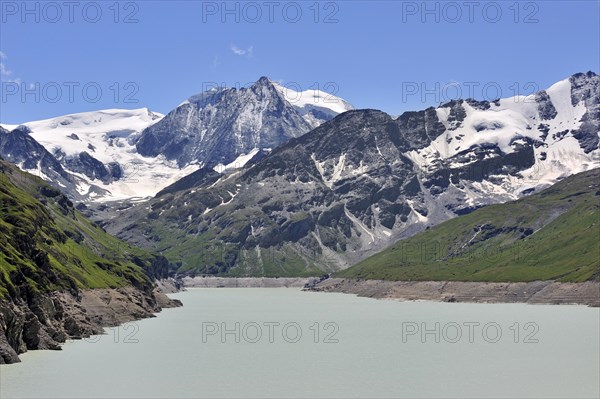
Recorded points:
(316, 106)
(523, 142)
(219, 125)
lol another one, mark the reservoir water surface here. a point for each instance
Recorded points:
(281, 342)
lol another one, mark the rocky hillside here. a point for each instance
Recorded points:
(551, 235)
(358, 183)
(51, 257)
(18, 147)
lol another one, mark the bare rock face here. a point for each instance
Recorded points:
(49, 319)
(7, 353)
(585, 88)
(218, 125)
(10, 336)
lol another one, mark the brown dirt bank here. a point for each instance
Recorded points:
(536, 292)
(45, 320)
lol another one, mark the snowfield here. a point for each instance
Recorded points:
(109, 136)
(506, 125)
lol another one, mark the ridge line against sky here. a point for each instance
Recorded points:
(393, 56)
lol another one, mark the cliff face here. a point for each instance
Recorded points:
(45, 320)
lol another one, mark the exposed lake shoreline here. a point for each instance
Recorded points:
(536, 292)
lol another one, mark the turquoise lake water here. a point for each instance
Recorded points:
(246, 343)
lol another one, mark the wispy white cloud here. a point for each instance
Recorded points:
(237, 50)
(4, 71)
(215, 63)
(242, 51)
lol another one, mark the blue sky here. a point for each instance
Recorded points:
(390, 55)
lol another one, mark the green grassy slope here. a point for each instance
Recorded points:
(552, 235)
(46, 245)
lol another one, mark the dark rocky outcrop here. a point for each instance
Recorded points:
(89, 166)
(45, 320)
(200, 178)
(586, 87)
(19, 148)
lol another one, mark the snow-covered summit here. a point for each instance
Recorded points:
(219, 125)
(502, 148)
(316, 106)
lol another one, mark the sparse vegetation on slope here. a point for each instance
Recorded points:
(51, 257)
